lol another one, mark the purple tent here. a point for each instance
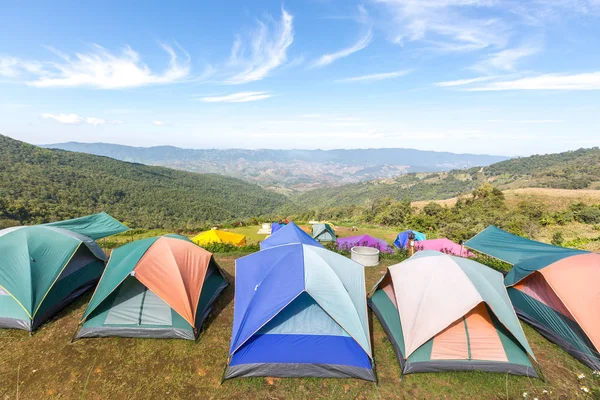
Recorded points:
(364, 240)
(445, 246)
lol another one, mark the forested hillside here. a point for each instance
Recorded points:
(40, 185)
(578, 169)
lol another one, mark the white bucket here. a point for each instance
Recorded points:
(367, 256)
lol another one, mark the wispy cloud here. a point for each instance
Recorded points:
(266, 51)
(376, 77)
(98, 68)
(329, 58)
(463, 82)
(448, 25)
(241, 97)
(505, 60)
(585, 81)
(73, 119)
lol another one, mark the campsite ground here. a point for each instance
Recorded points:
(46, 365)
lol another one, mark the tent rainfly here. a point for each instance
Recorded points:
(217, 236)
(42, 269)
(299, 311)
(95, 226)
(289, 234)
(554, 289)
(401, 241)
(449, 313)
(161, 287)
(323, 233)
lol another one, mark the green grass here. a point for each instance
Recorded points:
(46, 366)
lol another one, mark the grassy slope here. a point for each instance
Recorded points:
(56, 184)
(577, 169)
(48, 366)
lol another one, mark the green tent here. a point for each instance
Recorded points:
(161, 287)
(95, 226)
(323, 233)
(42, 269)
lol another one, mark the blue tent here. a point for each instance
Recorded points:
(275, 226)
(300, 311)
(402, 240)
(289, 234)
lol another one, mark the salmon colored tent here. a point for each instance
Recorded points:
(160, 287)
(554, 289)
(217, 236)
(443, 312)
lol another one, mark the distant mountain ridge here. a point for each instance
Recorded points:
(289, 170)
(579, 169)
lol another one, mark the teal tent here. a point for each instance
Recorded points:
(323, 233)
(42, 269)
(554, 289)
(96, 226)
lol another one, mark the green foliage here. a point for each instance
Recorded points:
(586, 214)
(40, 185)
(570, 170)
(557, 239)
(230, 248)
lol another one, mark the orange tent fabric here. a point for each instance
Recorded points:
(174, 270)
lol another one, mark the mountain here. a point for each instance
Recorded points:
(289, 170)
(578, 169)
(39, 185)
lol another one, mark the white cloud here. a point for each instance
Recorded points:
(73, 119)
(462, 82)
(376, 77)
(266, 51)
(585, 81)
(448, 25)
(99, 68)
(241, 97)
(329, 58)
(505, 60)
(158, 123)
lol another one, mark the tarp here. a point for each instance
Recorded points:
(171, 275)
(289, 234)
(513, 249)
(438, 299)
(401, 241)
(43, 267)
(96, 226)
(444, 245)
(364, 240)
(299, 310)
(217, 236)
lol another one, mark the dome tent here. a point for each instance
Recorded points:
(449, 313)
(323, 233)
(291, 233)
(42, 269)
(554, 289)
(217, 236)
(401, 241)
(161, 287)
(299, 311)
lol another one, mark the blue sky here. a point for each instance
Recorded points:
(482, 76)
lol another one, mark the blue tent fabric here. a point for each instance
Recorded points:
(275, 226)
(402, 239)
(285, 326)
(289, 234)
